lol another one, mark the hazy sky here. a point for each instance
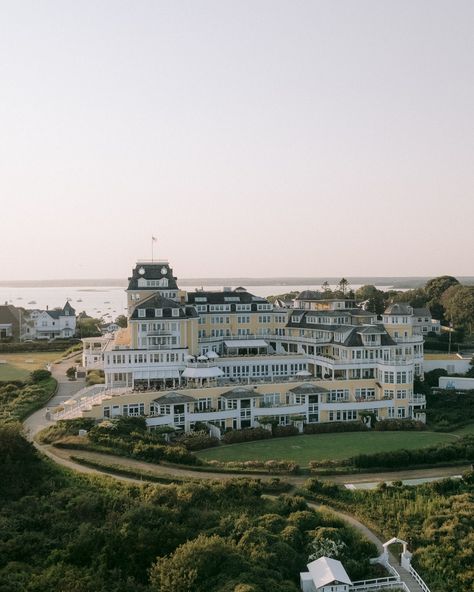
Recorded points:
(252, 137)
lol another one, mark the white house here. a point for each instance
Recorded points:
(325, 575)
(49, 324)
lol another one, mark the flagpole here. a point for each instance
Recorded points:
(152, 249)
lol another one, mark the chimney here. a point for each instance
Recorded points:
(47, 307)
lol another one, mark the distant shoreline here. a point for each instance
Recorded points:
(396, 282)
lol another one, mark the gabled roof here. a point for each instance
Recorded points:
(237, 296)
(67, 307)
(9, 314)
(308, 388)
(399, 308)
(325, 571)
(354, 339)
(156, 300)
(173, 398)
(422, 312)
(239, 392)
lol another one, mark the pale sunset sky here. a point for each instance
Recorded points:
(251, 137)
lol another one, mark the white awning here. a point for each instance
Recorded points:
(212, 372)
(246, 343)
(212, 355)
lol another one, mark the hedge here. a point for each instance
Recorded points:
(284, 431)
(462, 449)
(335, 426)
(245, 435)
(393, 425)
(38, 346)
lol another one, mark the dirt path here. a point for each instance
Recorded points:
(63, 456)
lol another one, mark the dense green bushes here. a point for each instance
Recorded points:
(449, 410)
(335, 426)
(258, 466)
(16, 403)
(285, 431)
(37, 346)
(245, 435)
(197, 441)
(459, 450)
(395, 425)
(40, 375)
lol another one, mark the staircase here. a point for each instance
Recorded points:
(85, 399)
(408, 577)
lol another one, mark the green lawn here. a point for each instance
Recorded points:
(303, 449)
(11, 372)
(19, 365)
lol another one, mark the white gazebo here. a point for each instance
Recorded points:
(325, 575)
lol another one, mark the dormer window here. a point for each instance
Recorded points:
(141, 313)
(158, 312)
(175, 312)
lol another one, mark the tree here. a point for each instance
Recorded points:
(197, 566)
(375, 298)
(71, 373)
(435, 287)
(121, 321)
(343, 285)
(88, 327)
(40, 375)
(326, 287)
(458, 302)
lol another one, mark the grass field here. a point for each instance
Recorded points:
(303, 449)
(18, 366)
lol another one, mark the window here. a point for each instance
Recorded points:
(158, 312)
(271, 399)
(175, 312)
(141, 313)
(204, 403)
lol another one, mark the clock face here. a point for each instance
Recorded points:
(163, 270)
(141, 271)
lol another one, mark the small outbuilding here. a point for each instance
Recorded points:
(325, 575)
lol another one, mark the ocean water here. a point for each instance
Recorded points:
(110, 301)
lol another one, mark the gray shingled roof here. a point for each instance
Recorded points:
(399, 308)
(308, 388)
(152, 272)
(156, 300)
(173, 398)
(240, 392)
(219, 297)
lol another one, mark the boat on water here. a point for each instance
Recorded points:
(32, 302)
(79, 300)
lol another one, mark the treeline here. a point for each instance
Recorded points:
(63, 531)
(436, 519)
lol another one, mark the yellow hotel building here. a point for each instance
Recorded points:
(229, 358)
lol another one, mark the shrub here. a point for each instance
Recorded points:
(283, 431)
(392, 425)
(335, 426)
(40, 375)
(245, 435)
(197, 441)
